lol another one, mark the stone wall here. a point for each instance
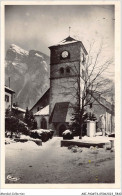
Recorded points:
(62, 90)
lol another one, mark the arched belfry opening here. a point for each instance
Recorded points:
(43, 123)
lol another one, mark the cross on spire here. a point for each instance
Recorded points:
(69, 30)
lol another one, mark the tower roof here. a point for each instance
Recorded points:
(69, 40)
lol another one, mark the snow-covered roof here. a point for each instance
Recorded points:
(19, 109)
(18, 49)
(44, 111)
(46, 94)
(69, 40)
(9, 89)
(102, 101)
(60, 112)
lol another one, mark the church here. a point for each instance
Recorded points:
(55, 108)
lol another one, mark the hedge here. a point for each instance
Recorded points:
(42, 134)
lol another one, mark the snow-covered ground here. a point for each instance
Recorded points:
(29, 163)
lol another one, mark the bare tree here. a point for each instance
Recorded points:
(90, 83)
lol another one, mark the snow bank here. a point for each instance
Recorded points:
(24, 146)
(9, 141)
(25, 137)
(94, 139)
(39, 131)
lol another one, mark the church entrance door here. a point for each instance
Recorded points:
(62, 128)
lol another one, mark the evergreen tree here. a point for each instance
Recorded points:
(30, 119)
(27, 117)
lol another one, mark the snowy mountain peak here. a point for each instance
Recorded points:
(18, 50)
(29, 73)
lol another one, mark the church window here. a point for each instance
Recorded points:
(67, 70)
(6, 98)
(43, 123)
(62, 70)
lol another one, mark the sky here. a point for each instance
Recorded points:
(40, 26)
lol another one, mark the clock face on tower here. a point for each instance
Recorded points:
(65, 54)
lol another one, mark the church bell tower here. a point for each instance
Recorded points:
(67, 63)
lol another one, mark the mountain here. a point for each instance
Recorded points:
(29, 74)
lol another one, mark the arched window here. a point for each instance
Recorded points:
(68, 70)
(43, 123)
(61, 70)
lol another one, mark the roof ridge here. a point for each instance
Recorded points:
(69, 38)
(40, 97)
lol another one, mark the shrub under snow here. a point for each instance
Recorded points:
(42, 134)
(67, 134)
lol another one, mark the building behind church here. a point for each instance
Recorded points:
(9, 94)
(9, 102)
